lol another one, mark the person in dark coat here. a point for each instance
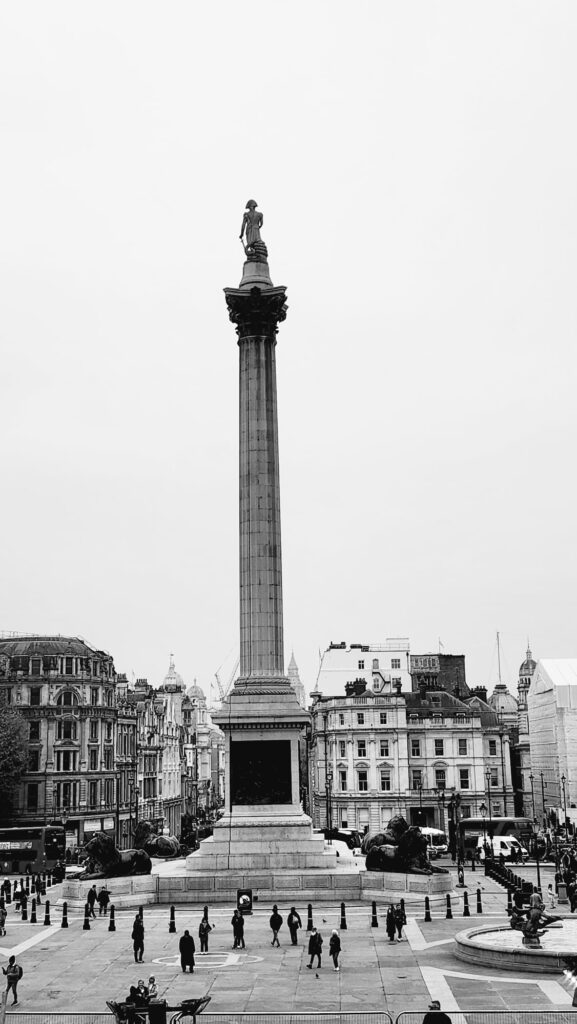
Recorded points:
(335, 948)
(399, 921)
(186, 948)
(103, 901)
(315, 947)
(138, 939)
(275, 923)
(237, 922)
(91, 897)
(390, 924)
(294, 923)
(435, 1014)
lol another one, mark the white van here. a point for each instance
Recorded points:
(436, 841)
(503, 845)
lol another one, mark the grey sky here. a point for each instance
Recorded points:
(416, 166)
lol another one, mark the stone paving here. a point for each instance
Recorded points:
(78, 970)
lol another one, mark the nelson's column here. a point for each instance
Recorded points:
(264, 827)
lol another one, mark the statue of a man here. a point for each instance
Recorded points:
(251, 224)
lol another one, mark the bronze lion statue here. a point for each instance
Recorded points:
(145, 838)
(105, 861)
(400, 847)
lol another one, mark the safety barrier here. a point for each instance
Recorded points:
(567, 1016)
(495, 1017)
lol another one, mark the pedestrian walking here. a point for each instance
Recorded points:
(294, 923)
(103, 901)
(275, 923)
(435, 1015)
(390, 923)
(13, 974)
(237, 922)
(399, 921)
(315, 948)
(2, 921)
(91, 897)
(551, 897)
(138, 939)
(204, 930)
(335, 948)
(187, 949)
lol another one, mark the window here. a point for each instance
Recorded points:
(416, 778)
(439, 748)
(108, 758)
(93, 793)
(109, 698)
(34, 733)
(33, 760)
(395, 662)
(385, 780)
(396, 679)
(93, 729)
(342, 748)
(363, 782)
(109, 731)
(360, 718)
(462, 748)
(32, 796)
(342, 781)
(383, 717)
(492, 748)
(466, 810)
(68, 666)
(361, 748)
(384, 748)
(66, 729)
(67, 699)
(494, 776)
(94, 695)
(66, 761)
(361, 664)
(109, 792)
(464, 778)
(93, 761)
(35, 692)
(8, 694)
(440, 778)
(341, 719)
(415, 748)
(375, 664)
(35, 666)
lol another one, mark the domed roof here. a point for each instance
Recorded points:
(196, 693)
(528, 666)
(34, 646)
(172, 677)
(502, 701)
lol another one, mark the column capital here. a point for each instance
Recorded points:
(256, 311)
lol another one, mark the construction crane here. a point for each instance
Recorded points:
(224, 691)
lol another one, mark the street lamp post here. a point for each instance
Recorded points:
(483, 810)
(328, 796)
(535, 843)
(488, 778)
(563, 781)
(441, 803)
(420, 788)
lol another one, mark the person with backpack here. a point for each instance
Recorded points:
(294, 923)
(138, 939)
(13, 974)
(275, 923)
(204, 930)
(315, 948)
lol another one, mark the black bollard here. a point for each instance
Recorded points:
(466, 911)
(427, 910)
(44, 887)
(48, 880)
(403, 911)
(509, 901)
(64, 921)
(343, 924)
(374, 920)
(449, 911)
(172, 925)
(310, 918)
(16, 896)
(8, 891)
(33, 912)
(24, 911)
(205, 912)
(141, 914)
(47, 913)
(27, 885)
(86, 925)
(112, 922)
(479, 904)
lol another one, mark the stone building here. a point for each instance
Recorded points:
(81, 744)
(204, 757)
(523, 747)
(379, 751)
(376, 664)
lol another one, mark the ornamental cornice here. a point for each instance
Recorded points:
(256, 311)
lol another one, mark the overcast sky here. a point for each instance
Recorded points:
(416, 164)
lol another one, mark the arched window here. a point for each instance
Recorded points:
(67, 699)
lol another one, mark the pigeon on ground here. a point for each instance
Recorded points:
(316, 975)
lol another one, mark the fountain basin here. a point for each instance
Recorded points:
(502, 948)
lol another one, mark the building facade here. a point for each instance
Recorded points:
(377, 664)
(552, 722)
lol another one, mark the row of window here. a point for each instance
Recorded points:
(67, 666)
(67, 729)
(68, 760)
(384, 746)
(395, 664)
(417, 779)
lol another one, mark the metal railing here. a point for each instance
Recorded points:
(495, 1017)
(567, 1016)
